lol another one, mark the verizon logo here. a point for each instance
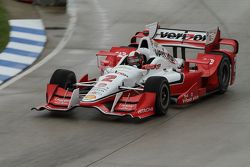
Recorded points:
(179, 35)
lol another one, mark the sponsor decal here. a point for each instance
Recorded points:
(211, 61)
(128, 68)
(123, 74)
(61, 101)
(121, 54)
(126, 107)
(97, 89)
(101, 85)
(90, 97)
(157, 66)
(165, 56)
(189, 98)
(181, 35)
(152, 66)
(162, 52)
(145, 110)
(95, 93)
(109, 78)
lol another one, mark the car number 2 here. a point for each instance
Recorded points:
(109, 78)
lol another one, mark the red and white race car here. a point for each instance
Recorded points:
(126, 89)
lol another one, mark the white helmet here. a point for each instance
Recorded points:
(135, 59)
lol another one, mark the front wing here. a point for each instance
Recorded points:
(127, 103)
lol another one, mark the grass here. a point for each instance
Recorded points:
(4, 27)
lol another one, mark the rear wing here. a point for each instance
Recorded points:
(207, 40)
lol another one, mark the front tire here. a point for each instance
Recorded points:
(160, 86)
(64, 79)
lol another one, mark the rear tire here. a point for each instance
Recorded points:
(224, 73)
(160, 86)
(64, 79)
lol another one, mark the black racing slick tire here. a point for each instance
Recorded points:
(224, 73)
(160, 86)
(64, 79)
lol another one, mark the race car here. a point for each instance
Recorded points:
(141, 79)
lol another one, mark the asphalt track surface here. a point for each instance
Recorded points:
(214, 132)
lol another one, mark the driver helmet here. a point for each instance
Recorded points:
(146, 32)
(135, 58)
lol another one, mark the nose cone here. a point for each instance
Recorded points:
(109, 84)
(106, 86)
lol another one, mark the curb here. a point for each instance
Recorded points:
(67, 35)
(27, 41)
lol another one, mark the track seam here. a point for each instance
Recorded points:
(134, 140)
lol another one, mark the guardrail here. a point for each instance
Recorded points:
(27, 41)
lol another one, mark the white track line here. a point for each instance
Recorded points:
(60, 46)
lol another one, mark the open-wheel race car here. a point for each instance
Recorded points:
(140, 80)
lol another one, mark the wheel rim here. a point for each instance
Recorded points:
(164, 96)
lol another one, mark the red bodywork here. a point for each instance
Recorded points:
(196, 82)
(140, 105)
